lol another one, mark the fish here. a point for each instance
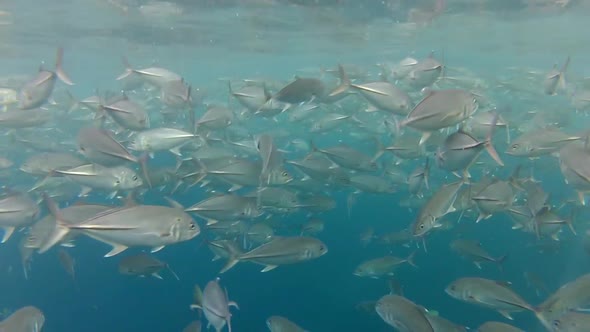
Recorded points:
(440, 109)
(460, 150)
(280, 251)
(25, 319)
(572, 322)
(160, 139)
(130, 226)
(282, 324)
(94, 176)
(16, 210)
(100, 147)
(216, 306)
(385, 96)
(37, 91)
(301, 90)
(439, 205)
(68, 263)
(382, 266)
(144, 265)
(555, 79)
(402, 314)
(473, 251)
(488, 293)
(156, 76)
(127, 113)
(47, 162)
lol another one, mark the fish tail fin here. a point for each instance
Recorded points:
(488, 142)
(128, 69)
(541, 318)
(231, 262)
(570, 221)
(143, 164)
(562, 82)
(60, 230)
(500, 261)
(172, 272)
(61, 74)
(410, 259)
(344, 82)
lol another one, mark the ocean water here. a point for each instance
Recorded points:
(506, 46)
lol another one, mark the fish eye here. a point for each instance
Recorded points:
(285, 174)
(421, 226)
(515, 146)
(134, 178)
(192, 226)
(117, 182)
(556, 323)
(453, 287)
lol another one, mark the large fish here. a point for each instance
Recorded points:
(402, 314)
(130, 226)
(26, 319)
(215, 306)
(281, 251)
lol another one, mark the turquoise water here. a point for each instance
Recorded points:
(208, 42)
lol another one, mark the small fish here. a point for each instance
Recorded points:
(281, 251)
(488, 293)
(497, 327)
(144, 265)
(282, 324)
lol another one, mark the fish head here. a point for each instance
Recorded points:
(453, 290)
(423, 225)
(360, 271)
(280, 176)
(187, 226)
(127, 179)
(315, 250)
(519, 149)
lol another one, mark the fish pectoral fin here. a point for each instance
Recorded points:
(230, 263)
(195, 307)
(233, 304)
(156, 249)
(505, 314)
(117, 249)
(8, 230)
(157, 275)
(269, 268)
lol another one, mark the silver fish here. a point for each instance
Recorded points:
(100, 147)
(25, 319)
(144, 265)
(402, 314)
(38, 90)
(281, 251)
(215, 306)
(16, 210)
(139, 225)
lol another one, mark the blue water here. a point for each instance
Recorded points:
(211, 40)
